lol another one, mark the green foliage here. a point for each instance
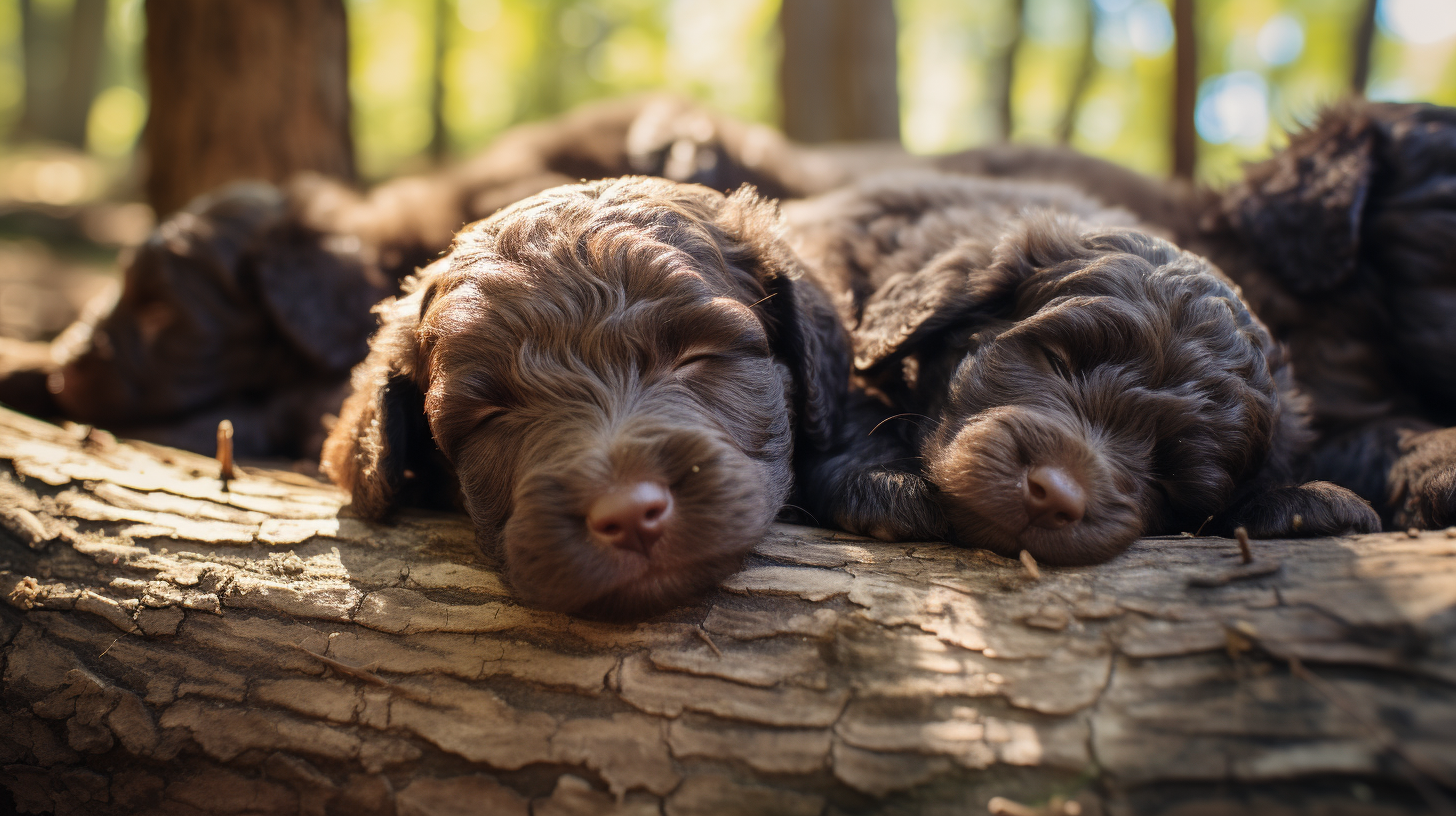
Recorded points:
(494, 63)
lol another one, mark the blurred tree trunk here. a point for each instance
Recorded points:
(60, 70)
(1006, 77)
(1185, 90)
(838, 74)
(440, 140)
(244, 89)
(1086, 67)
(1364, 42)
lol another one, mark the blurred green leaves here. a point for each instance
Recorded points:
(1264, 65)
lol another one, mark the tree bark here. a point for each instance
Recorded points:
(838, 76)
(170, 646)
(1185, 90)
(244, 89)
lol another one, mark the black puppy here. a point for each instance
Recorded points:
(1078, 381)
(1344, 243)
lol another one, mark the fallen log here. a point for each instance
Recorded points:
(175, 644)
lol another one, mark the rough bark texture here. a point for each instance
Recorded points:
(244, 89)
(838, 76)
(171, 647)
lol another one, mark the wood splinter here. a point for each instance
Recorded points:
(1030, 563)
(225, 451)
(1245, 551)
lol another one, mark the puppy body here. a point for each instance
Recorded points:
(587, 348)
(254, 302)
(1078, 381)
(1344, 243)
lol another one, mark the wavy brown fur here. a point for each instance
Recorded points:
(1028, 325)
(592, 336)
(1344, 242)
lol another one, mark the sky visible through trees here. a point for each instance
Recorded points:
(1097, 73)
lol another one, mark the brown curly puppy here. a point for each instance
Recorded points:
(609, 370)
(1082, 382)
(1345, 245)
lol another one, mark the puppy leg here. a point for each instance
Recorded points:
(1309, 510)
(870, 483)
(1423, 480)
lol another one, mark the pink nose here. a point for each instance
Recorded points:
(1054, 498)
(631, 517)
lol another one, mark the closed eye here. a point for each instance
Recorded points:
(692, 364)
(1058, 363)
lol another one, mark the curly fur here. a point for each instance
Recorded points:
(593, 335)
(1344, 242)
(1030, 325)
(254, 302)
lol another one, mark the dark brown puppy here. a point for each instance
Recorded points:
(610, 371)
(253, 304)
(1345, 244)
(1081, 381)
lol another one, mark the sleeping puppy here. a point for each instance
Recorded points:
(1344, 243)
(1072, 382)
(254, 302)
(609, 371)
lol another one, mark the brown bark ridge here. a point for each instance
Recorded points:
(244, 89)
(171, 647)
(838, 75)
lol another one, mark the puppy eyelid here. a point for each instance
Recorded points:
(1058, 363)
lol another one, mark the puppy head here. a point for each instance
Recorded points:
(610, 370)
(1363, 203)
(1090, 386)
(233, 296)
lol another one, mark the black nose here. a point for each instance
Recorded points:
(1054, 497)
(630, 517)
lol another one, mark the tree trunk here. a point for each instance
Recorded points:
(1006, 74)
(1185, 90)
(1082, 80)
(838, 74)
(174, 646)
(1363, 48)
(244, 89)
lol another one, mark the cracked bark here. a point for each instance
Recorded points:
(170, 647)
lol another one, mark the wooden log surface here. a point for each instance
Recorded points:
(169, 646)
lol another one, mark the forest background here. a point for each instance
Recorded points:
(432, 80)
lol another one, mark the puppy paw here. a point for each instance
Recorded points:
(890, 505)
(1310, 510)
(1423, 480)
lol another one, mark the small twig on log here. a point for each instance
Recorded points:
(1242, 573)
(711, 645)
(1030, 563)
(1245, 551)
(344, 668)
(1001, 806)
(225, 451)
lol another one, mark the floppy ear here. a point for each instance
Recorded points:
(319, 289)
(959, 289)
(804, 330)
(382, 439)
(1302, 210)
